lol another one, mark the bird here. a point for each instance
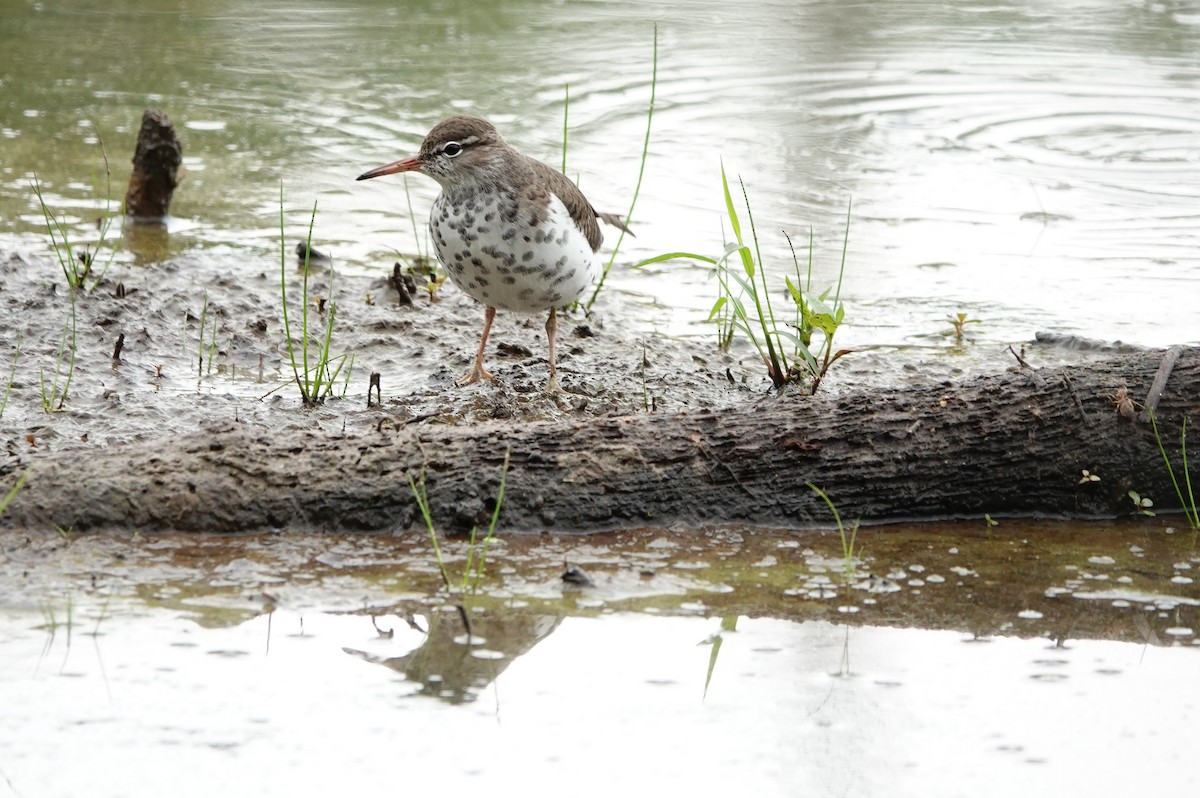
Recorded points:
(511, 232)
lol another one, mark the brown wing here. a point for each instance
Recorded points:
(577, 205)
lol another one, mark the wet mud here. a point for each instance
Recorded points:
(172, 347)
(180, 411)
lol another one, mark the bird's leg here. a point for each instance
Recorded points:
(551, 332)
(476, 373)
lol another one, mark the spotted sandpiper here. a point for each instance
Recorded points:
(511, 231)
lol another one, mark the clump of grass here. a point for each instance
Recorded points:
(847, 536)
(744, 303)
(78, 265)
(204, 354)
(1185, 494)
(476, 550)
(316, 370)
(637, 188)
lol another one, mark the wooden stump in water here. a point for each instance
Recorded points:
(155, 168)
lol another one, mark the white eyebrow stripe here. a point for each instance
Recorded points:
(469, 140)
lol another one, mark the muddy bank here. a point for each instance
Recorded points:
(194, 426)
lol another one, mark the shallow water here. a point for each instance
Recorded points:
(718, 661)
(1034, 167)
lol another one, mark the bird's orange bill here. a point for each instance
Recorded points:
(406, 165)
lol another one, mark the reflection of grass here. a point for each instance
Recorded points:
(728, 624)
(476, 550)
(314, 367)
(1188, 501)
(51, 624)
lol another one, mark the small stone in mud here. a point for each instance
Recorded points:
(313, 255)
(574, 575)
(584, 331)
(514, 350)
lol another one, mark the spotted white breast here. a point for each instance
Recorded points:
(500, 259)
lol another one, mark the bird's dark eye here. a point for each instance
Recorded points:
(452, 149)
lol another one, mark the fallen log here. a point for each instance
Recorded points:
(156, 161)
(1016, 443)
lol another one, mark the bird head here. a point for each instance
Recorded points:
(459, 148)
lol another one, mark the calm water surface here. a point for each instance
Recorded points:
(1035, 166)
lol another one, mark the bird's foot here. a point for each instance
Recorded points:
(552, 386)
(474, 375)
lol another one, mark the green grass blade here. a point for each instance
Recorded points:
(1194, 516)
(422, 498)
(287, 326)
(12, 374)
(491, 533)
(674, 256)
(566, 112)
(637, 188)
(12, 493)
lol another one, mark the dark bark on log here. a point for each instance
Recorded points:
(1008, 444)
(156, 163)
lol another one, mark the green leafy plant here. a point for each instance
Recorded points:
(476, 550)
(847, 536)
(957, 322)
(1185, 494)
(1141, 504)
(744, 302)
(315, 369)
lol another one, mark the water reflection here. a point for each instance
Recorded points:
(232, 658)
(455, 665)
